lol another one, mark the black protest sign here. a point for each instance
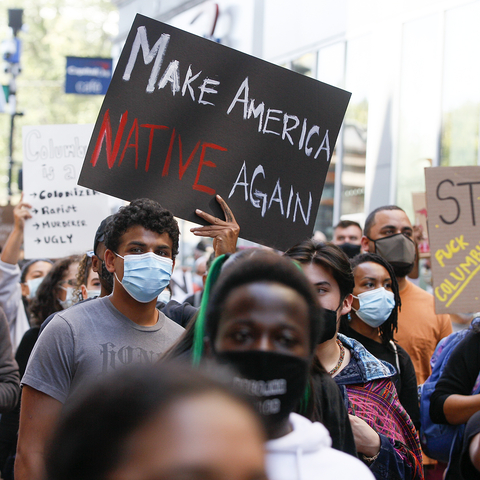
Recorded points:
(185, 118)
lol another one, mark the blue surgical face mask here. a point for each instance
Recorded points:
(164, 297)
(33, 285)
(375, 306)
(145, 276)
(93, 293)
(69, 300)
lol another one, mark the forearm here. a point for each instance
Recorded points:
(474, 451)
(9, 394)
(459, 408)
(29, 459)
(392, 462)
(38, 416)
(12, 247)
(29, 465)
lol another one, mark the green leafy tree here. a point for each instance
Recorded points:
(55, 29)
(460, 135)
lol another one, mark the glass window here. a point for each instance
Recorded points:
(330, 69)
(357, 81)
(419, 107)
(461, 87)
(305, 64)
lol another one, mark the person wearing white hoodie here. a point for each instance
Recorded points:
(262, 320)
(307, 451)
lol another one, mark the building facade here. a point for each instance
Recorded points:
(411, 67)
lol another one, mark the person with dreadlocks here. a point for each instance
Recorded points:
(262, 319)
(373, 322)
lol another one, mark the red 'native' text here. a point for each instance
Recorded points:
(113, 150)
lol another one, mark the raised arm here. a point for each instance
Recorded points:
(11, 249)
(10, 291)
(224, 232)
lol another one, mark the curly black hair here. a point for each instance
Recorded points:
(83, 272)
(146, 213)
(389, 327)
(45, 301)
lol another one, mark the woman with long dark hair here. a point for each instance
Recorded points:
(385, 436)
(55, 293)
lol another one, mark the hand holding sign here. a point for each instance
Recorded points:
(224, 232)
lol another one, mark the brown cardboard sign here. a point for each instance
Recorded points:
(453, 204)
(419, 201)
(186, 118)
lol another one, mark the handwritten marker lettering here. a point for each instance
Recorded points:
(171, 76)
(454, 246)
(447, 186)
(277, 122)
(106, 137)
(260, 199)
(34, 149)
(453, 285)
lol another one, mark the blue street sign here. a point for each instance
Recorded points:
(88, 76)
(12, 50)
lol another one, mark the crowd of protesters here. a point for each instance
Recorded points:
(290, 365)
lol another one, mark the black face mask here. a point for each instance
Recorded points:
(329, 325)
(399, 251)
(275, 381)
(401, 272)
(350, 249)
(106, 277)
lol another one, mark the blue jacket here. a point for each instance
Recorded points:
(395, 460)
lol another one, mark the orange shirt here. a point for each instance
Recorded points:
(419, 328)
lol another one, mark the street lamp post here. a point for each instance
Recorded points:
(12, 56)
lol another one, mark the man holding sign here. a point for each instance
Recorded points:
(126, 326)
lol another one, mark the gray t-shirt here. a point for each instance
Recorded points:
(89, 340)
